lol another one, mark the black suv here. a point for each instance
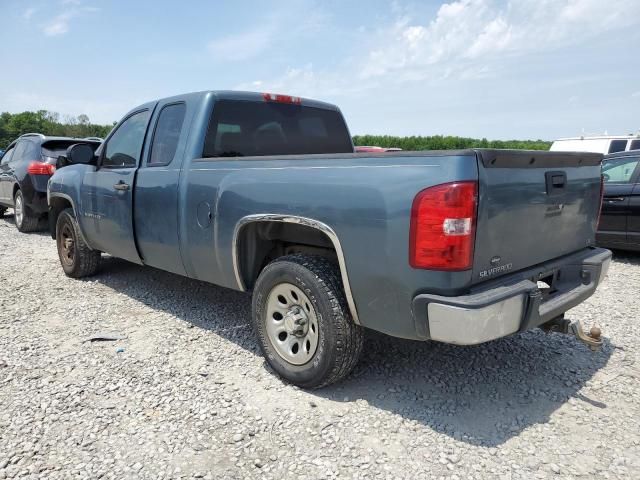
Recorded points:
(619, 225)
(25, 169)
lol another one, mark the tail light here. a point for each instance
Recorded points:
(275, 97)
(443, 224)
(601, 199)
(41, 168)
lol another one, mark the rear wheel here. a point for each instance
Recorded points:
(303, 323)
(76, 258)
(25, 220)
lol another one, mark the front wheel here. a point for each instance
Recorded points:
(303, 323)
(76, 258)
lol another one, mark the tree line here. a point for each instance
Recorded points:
(50, 123)
(442, 142)
(12, 125)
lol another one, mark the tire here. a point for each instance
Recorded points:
(332, 345)
(25, 220)
(2, 211)
(76, 258)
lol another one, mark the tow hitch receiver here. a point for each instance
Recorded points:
(593, 339)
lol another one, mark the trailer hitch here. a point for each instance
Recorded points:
(593, 339)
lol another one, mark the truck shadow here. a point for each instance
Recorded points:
(482, 395)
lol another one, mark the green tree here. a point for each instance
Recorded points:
(48, 123)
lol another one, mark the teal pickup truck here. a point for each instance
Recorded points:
(264, 193)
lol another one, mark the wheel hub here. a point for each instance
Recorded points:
(291, 323)
(296, 322)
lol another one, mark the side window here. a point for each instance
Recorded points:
(7, 156)
(167, 134)
(617, 146)
(619, 170)
(125, 146)
(32, 151)
(19, 151)
(635, 145)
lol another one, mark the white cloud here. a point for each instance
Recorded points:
(467, 39)
(241, 46)
(636, 94)
(59, 25)
(278, 28)
(478, 30)
(28, 13)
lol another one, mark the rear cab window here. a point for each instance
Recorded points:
(248, 128)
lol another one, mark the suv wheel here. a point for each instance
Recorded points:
(76, 258)
(303, 323)
(2, 211)
(25, 220)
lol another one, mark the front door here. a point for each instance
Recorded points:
(5, 177)
(619, 174)
(107, 191)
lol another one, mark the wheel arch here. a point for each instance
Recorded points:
(252, 249)
(58, 202)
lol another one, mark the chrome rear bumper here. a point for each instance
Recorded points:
(513, 304)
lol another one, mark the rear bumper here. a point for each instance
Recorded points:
(513, 303)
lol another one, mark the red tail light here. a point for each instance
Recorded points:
(41, 168)
(601, 199)
(274, 97)
(443, 224)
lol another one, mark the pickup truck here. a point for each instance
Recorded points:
(264, 193)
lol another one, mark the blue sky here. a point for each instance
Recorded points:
(483, 68)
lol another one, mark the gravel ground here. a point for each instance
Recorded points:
(184, 393)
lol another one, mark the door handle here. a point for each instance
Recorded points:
(614, 199)
(121, 186)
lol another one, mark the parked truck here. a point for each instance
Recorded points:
(264, 193)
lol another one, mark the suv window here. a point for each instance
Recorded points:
(55, 148)
(617, 146)
(619, 170)
(167, 134)
(125, 145)
(7, 156)
(245, 128)
(635, 145)
(19, 151)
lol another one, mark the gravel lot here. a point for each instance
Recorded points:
(185, 393)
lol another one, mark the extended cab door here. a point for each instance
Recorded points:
(156, 209)
(107, 192)
(619, 174)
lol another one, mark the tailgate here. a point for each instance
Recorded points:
(533, 207)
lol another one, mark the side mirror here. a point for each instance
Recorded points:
(81, 153)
